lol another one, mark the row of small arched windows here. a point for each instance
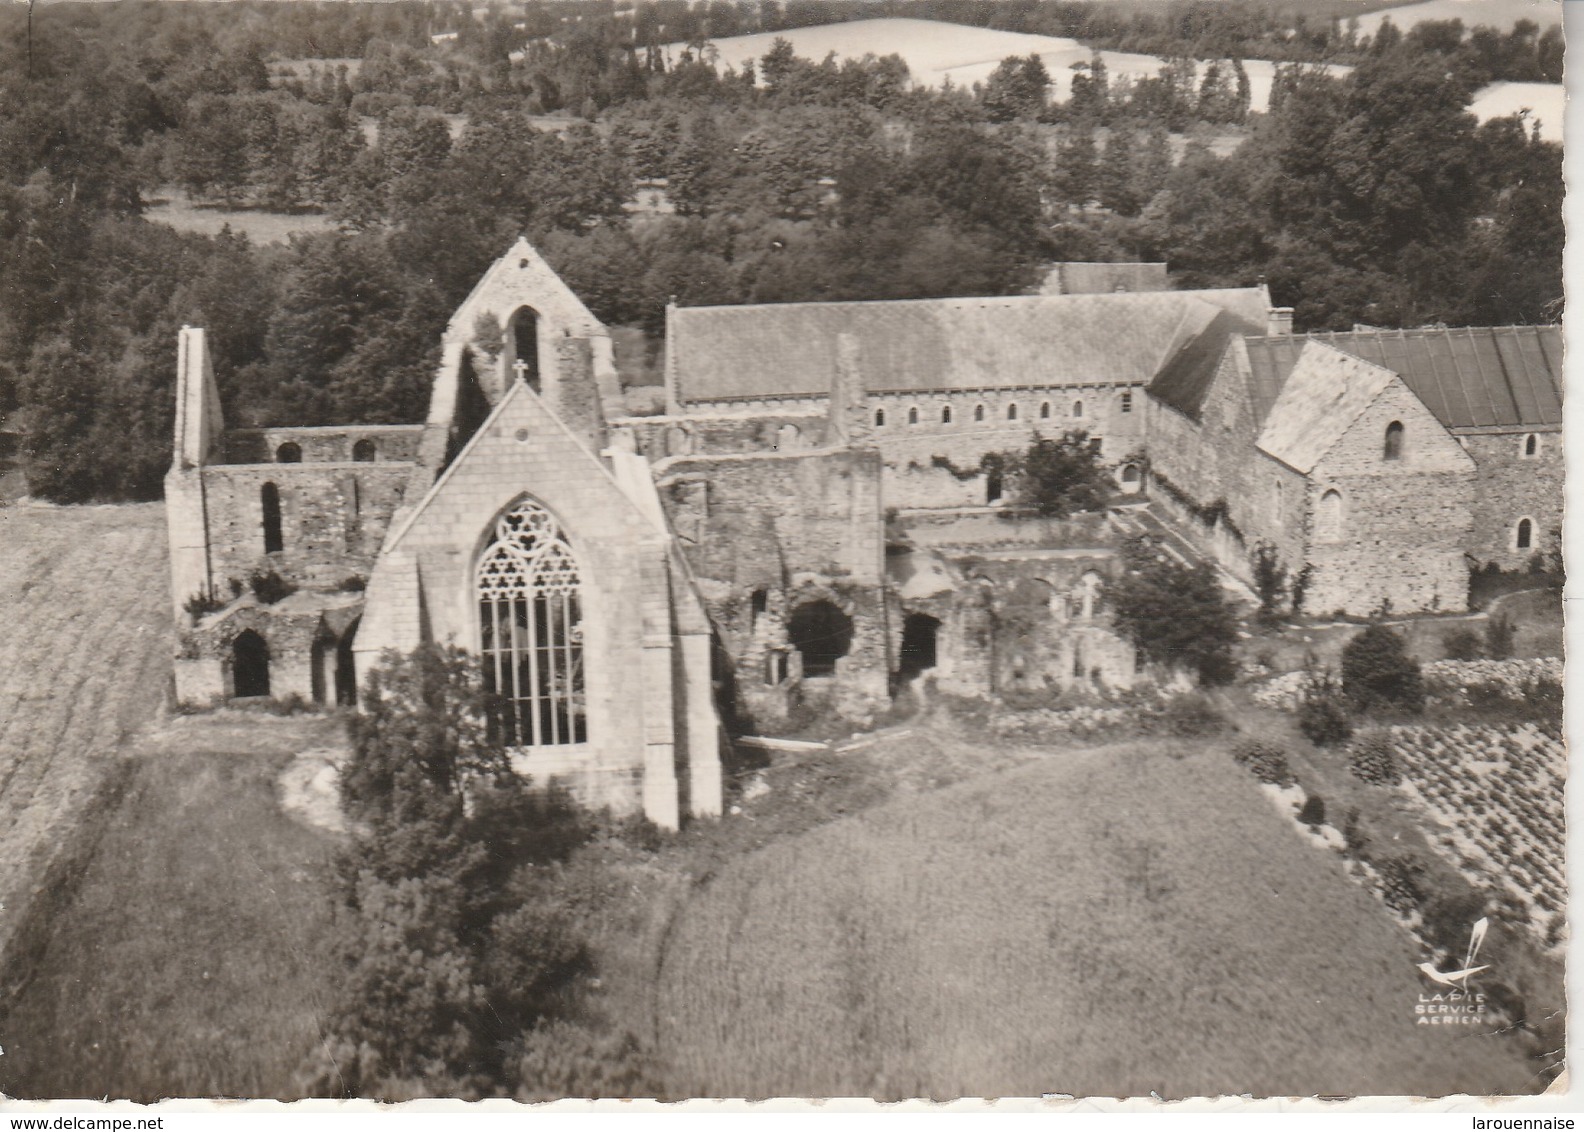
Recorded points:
(1396, 434)
(1012, 412)
(363, 452)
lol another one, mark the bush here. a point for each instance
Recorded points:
(354, 583)
(1400, 883)
(1353, 834)
(569, 1059)
(1324, 721)
(269, 587)
(1378, 672)
(1266, 763)
(202, 603)
(1372, 759)
(1175, 613)
(1312, 813)
(1499, 634)
(1270, 582)
(1191, 717)
(1463, 644)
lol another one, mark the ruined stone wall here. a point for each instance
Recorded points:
(323, 445)
(661, 437)
(1405, 522)
(301, 640)
(333, 519)
(1511, 486)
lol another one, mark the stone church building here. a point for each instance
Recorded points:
(818, 514)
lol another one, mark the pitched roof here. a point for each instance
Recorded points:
(1324, 394)
(789, 349)
(1185, 378)
(1470, 377)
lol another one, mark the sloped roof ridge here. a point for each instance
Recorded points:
(1031, 299)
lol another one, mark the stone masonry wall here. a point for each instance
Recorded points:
(322, 445)
(1511, 486)
(333, 519)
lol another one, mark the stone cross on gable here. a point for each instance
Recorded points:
(520, 367)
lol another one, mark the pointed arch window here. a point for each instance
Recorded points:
(1531, 445)
(529, 592)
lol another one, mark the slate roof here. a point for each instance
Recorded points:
(1324, 394)
(1189, 371)
(1469, 377)
(789, 349)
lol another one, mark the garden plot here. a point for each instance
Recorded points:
(1496, 796)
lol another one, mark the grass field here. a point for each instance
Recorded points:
(186, 954)
(1108, 922)
(258, 225)
(84, 661)
(1495, 13)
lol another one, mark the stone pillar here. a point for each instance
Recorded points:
(701, 728)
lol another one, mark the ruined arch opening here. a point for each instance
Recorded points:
(269, 504)
(822, 634)
(364, 451)
(920, 632)
(289, 453)
(250, 674)
(522, 337)
(346, 694)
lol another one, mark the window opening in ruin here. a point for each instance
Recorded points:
(1044, 410)
(531, 631)
(1077, 408)
(363, 452)
(250, 674)
(319, 664)
(1394, 441)
(346, 668)
(289, 453)
(822, 633)
(978, 412)
(1012, 412)
(1328, 517)
(1130, 477)
(879, 418)
(758, 603)
(919, 634)
(525, 347)
(1089, 595)
(775, 667)
(1524, 536)
(269, 501)
(1096, 444)
(1127, 401)
(913, 415)
(1531, 445)
(945, 414)
(993, 486)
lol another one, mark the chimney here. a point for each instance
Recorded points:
(1279, 321)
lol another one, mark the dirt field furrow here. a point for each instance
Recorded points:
(84, 661)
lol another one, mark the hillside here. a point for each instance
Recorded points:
(1102, 922)
(84, 660)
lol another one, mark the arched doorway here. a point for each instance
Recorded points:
(346, 669)
(319, 663)
(919, 632)
(822, 633)
(250, 674)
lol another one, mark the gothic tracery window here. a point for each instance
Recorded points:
(531, 630)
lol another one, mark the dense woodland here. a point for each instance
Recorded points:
(1373, 198)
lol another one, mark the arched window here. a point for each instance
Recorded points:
(822, 633)
(945, 414)
(789, 437)
(993, 486)
(978, 412)
(1523, 534)
(269, 503)
(1130, 478)
(1077, 408)
(250, 674)
(913, 415)
(364, 451)
(1328, 517)
(531, 631)
(758, 602)
(289, 453)
(1531, 445)
(1044, 410)
(1394, 441)
(1127, 401)
(1012, 411)
(879, 418)
(524, 346)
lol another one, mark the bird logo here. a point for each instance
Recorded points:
(1459, 979)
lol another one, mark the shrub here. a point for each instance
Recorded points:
(569, 1059)
(1372, 759)
(1400, 883)
(1191, 717)
(202, 603)
(354, 583)
(1313, 812)
(1266, 763)
(1175, 613)
(1270, 582)
(1463, 644)
(1353, 832)
(1377, 671)
(1499, 634)
(1324, 721)
(269, 587)
(1060, 477)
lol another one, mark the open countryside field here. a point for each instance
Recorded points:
(258, 225)
(936, 51)
(190, 956)
(84, 661)
(1494, 13)
(1010, 936)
